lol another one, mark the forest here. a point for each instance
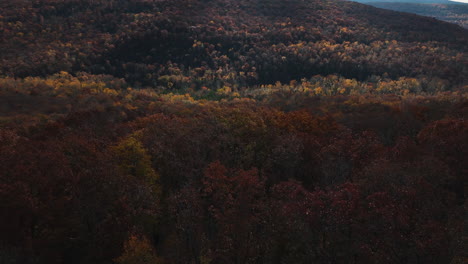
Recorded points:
(230, 131)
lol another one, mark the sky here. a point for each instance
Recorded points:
(461, 1)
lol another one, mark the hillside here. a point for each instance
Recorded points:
(453, 13)
(230, 131)
(143, 41)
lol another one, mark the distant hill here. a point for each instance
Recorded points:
(453, 13)
(408, 1)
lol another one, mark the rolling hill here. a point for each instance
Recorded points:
(230, 131)
(267, 40)
(456, 13)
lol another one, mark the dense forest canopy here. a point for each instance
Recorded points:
(230, 131)
(149, 42)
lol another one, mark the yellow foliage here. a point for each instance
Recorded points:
(109, 91)
(349, 83)
(138, 251)
(186, 98)
(224, 91)
(133, 159)
(64, 74)
(319, 90)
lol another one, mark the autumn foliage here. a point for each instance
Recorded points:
(135, 176)
(141, 131)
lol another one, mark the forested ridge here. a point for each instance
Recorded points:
(453, 12)
(240, 43)
(222, 131)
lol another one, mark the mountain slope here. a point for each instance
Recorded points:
(261, 131)
(453, 13)
(242, 43)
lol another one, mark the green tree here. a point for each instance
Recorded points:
(133, 160)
